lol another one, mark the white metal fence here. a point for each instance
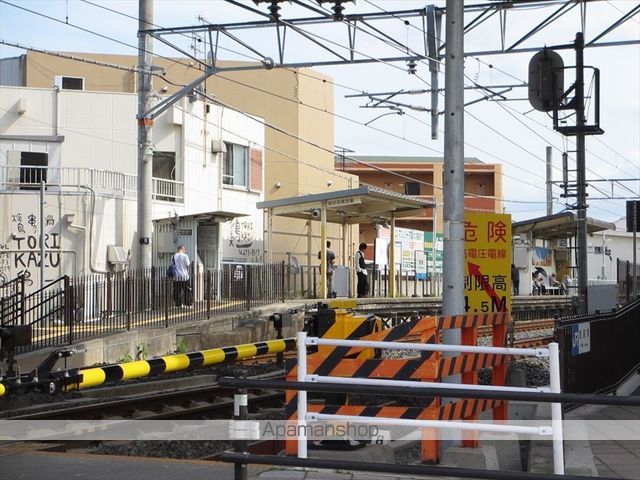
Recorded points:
(552, 352)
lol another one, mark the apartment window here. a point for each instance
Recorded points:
(235, 165)
(412, 188)
(69, 83)
(33, 169)
(164, 165)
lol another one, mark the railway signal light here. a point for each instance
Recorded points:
(546, 80)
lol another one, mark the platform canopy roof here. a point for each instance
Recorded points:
(366, 204)
(207, 217)
(557, 226)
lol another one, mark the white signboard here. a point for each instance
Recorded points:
(421, 264)
(581, 338)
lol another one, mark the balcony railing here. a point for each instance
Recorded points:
(103, 181)
(168, 190)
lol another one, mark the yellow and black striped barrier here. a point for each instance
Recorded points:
(92, 377)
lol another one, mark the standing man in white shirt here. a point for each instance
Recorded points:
(181, 289)
(361, 270)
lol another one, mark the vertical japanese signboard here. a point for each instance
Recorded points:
(429, 250)
(487, 252)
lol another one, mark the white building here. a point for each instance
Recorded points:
(206, 182)
(608, 246)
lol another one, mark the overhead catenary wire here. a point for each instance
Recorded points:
(346, 118)
(183, 64)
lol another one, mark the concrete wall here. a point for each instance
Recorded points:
(226, 331)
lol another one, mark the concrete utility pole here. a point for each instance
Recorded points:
(583, 273)
(549, 182)
(145, 135)
(453, 217)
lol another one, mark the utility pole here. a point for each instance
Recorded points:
(145, 135)
(453, 211)
(549, 182)
(583, 274)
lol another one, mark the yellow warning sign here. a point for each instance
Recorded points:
(487, 253)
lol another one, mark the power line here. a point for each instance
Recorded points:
(403, 138)
(332, 113)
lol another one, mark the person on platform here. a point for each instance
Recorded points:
(331, 260)
(554, 282)
(361, 270)
(542, 287)
(181, 288)
(515, 279)
(535, 286)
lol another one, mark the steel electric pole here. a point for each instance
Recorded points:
(583, 273)
(145, 138)
(453, 218)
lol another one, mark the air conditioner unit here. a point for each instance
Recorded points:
(116, 254)
(218, 146)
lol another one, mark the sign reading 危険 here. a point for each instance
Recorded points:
(487, 252)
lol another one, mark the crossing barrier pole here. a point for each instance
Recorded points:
(302, 395)
(240, 415)
(556, 409)
(501, 412)
(469, 336)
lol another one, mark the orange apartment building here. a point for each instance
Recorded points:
(422, 176)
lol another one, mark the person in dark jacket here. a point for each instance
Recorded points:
(515, 279)
(361, 270)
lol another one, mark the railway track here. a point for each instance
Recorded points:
(209, 401)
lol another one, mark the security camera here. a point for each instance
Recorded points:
(315, 213)
(329, 183)
(278, 184)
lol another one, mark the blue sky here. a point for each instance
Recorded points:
(506, 133)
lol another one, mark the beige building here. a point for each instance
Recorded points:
(299, 156)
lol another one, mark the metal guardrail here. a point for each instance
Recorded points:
(600, 350)
(78, 308)
(241, 458)
(552, 352)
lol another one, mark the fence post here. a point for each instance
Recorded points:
(282, 271)
(315, 283)
(68, 308)
(167, 289)
(153, 287)
(288, 270)
(129, 302)
(556, 410)
(247, 286)
(109, 295)
(22, 300)
(386, 281)
(207, 281)
(628, 282)
(373, 280)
